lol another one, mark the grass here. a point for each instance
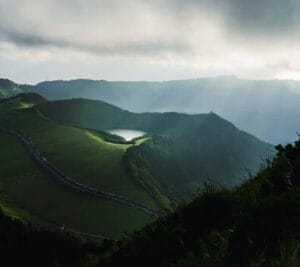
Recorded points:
(25, 105)
(81, 154)
(30, 189)
(87, 158)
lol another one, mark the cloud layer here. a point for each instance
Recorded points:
(143, 39)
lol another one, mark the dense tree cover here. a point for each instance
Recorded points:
(179, 163)
(255, 224)
(23, 245)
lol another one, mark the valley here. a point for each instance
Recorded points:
(267, 109)
(38, 193)
(133, 178)
(149, 133)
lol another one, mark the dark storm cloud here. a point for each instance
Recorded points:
(180, 37)
(48, 24)
(129, 47)
(267, 17)
(261, 18)
(25, 39)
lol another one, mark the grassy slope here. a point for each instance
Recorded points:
(71, 150)
(87, 158)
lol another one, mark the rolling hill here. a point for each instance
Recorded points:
(179, 154)
(253, 225)
(184, 151)
(266, 109)
(28, 191)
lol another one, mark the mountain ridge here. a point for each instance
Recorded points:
(264, 108)
(177, 140)
(271, 102)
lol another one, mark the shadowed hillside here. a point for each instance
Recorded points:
(184, 150)
(255, 224)
(266, 109)
(23, 245)
(9, 88)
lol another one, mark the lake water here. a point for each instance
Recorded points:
(127, 134)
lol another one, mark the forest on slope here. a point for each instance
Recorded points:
(255, 224)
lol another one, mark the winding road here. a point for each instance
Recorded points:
(61, 177)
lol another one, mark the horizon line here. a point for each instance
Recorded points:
(235, 77)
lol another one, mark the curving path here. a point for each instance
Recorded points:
(42, 161)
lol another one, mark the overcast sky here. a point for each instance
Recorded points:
(149, 39)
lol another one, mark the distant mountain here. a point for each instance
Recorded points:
(267, 109)
(184, 151)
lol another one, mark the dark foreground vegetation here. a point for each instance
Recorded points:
(256, 224)
(23, 245)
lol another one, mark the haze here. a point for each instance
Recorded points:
(149, 40)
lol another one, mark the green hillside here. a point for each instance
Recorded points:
(267, 109)
(82, 154)
(223, 226)
(253, 225)
(9, 88)
(181, 153)
(102, 116)
(184, 152)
